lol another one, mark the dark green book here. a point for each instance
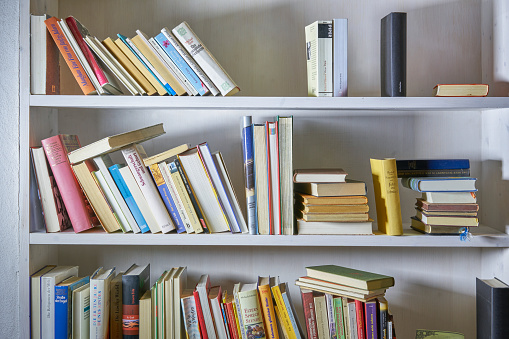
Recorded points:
(350, 277)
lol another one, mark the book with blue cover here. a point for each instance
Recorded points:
(433, 168)
(63, 305)
(440, 184)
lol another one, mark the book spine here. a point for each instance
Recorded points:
(199, 313)
(249, 174)
(204, 58)
(371, 320)
(273, 142)
(98, 325)
(61, 312)
(116, 309)
(130, 306)
(69, 56)
(359, 309)
(346, 319)
(285, 131)
(329, 303)
(238, 315)
(308, 305)
(167, 198)
(325, 59)
(340, 55)
(252, 317)
(339, 317)
(232, 322)
(269, 316)
(433, 164)
(352, 319)
(270, 193)
(322, 324)
(461, 172)
(283, 312)
(189, 311)
(312, 58)
(382, 316)
(262, 187)
(393, 55)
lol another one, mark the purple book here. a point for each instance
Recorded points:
(371, 320)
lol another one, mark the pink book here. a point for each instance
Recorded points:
(79, 210)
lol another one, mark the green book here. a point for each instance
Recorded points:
(350, 277)
(423, 334)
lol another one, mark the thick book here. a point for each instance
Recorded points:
(267, 306)
(492, 306)
(166, 155)
(205, 59)
(442, 207)
(100, 282)
(251, 312)
(146, 316)
(110, 199)
(339, 200)
(337, 292)
(63, 305)
(44, 58)
(189, 312)
(262, 187)
(69, 56)
(460, 90)
(393, 42)
(281, 294)
(285, 130)
(441, 184)
(363, 293)
(308, 208)
(81, 312)
(361, 327)
(333, 217)
(319, 58)
(249, 173)
(420, 226)
(56, 148)
(383, 315)
(340, 57)
(325, 189)
(350, 277)
(135, 282)
(447, 220)
(178, 282)
(116, 307)
(335, 227)
(433, 168)
(308, 305)
(115, 142)
(319, 175)
(333, 331)
(385, 184)
(35, 300)
(352, 319)
(449, 197)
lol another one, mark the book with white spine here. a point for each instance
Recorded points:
(205, 59)
(340, 57)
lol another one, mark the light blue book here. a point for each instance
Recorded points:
(63, 305)
(129, 200)
(190, 75)
(249, 174)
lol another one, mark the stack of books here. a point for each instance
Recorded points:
(173, 62)
(448, 204)
(341, 302)
(328, 203)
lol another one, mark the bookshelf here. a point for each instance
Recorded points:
(435, 276)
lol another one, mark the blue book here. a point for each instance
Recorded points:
(129, 200)
(440, 184)
(136, 52)
(249, 174)
(432, 164)
(63, 305)
(175, 56)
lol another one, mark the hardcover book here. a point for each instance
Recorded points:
(319, 175)
(492, 306)
(271, 129)
(433, 168)
(249, 173)
(81, 312)
(325, 189)
(350, 277)
(135, 282)
(419, 226)
(443, 207)
(322, 323)
(285, 129)
(63, 305)
(262, 187)
(116, 307)
(340, 57)
(308, 305)
(319, 58)
(460, 90)
(442, 184)
(44, 58)
(335, 227)
(393, 41)
(35, 300)
(339, 200)
(202, 291)
(449, 197)
(100, 282)
(190, 315)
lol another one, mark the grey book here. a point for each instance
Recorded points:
(393, 55)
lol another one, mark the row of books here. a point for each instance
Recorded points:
(174, 62)
(183, 189)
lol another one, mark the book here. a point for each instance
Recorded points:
(359, 309)
(249, 173)
(308, 305)
(251, 312)
(110, 199)
(322, 323)
(335, 227)
(337, 292)
(492, 300)
(443, 207)
(114, 143)
(319, 59)
(442, 184)
(285, 130)
(202, 290)
(56, 148)
(359, 292)
(271, 129)
(333, 331)
(385, 184)
(419, 226)
(229, 302)
(433, 334)
(282, 313)
(340, 57)
(267, 306)
(116, 307)
(282, 297)
(371, 318)
(44, 58)
(308, 208)
(48, 282)
(427, 164)
(262, 187)
(69, 56)
(63, 305)
(350, 187)
(146, 316)
(163, 156)
(449, 197)
(215, 300)
(460, 172)
(352, 319)
(447, 213)
(383, 309)
(179, 282)
(350, 277)
(133, 156)
(339, 200)
(460, 90)
(205, 59)
(319, 175)
(189, 313)
(447, 220)
(81, 312)
(346, 319)
(135, 282)
(339, 318)
(161, 293)
(393, 41)
(56, 218)
(36, 301)
(334, 217)
(100, 282)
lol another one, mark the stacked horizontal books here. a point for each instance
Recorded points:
(341, 302)
(173, 62)
(328, 203)
(448, 204)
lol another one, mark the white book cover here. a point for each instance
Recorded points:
(179, 284)
(35, 300)
(81, 312)
(103, 163)
(352, 320)
(319, 58)
(140, 200)
(205, 59)
(44, 58)
(100, 282)
(340, 57)
(133, 156)
(273, 159)
(203, 288)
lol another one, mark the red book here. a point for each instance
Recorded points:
(199, 313)
(359, 309)
(308, 304)
(80, 212)
(230, 314)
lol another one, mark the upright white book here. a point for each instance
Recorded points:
(205, 59)
(133, 156)
(273, 163)
(44, 58)
(35, 300)
(100, 282)
(179, 280)
(81, 312)
(319, 58)
(340, 57)
(203, 288)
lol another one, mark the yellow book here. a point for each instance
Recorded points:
(143, 70)
(281, 310)
(154, 60)
(269, 315)
(129, 66)
(388, 209)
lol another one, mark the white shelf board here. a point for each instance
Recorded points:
(272, 103)
(483, 237)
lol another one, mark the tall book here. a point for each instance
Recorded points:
(383, 315)
(201, 295)
(190, 314)
(179, 282)
(319, 58)
(322, 322)
(251, 312)
(36, 301)
(44, 58)
(371, 319)
(100, 282)
(69, 56)
(267, 306)
(285, 310)
(135, 282)
(81, 312)
(77, 206)
(216, 299)
(361, 325)
(63, 305)
(116, 307)
(275, 185)
(339, 317)
(249, 173)
(340, 57)
(333, 331)
(385, 183)
(492, 305)
(146, 316)
(205, 59)
(261, 179)
(308, 305)
(285, 128)
(393, 54)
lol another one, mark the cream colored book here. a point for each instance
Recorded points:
(261, 179)
(146, 315)
(81, 312)
(179, 284)
(163, 156)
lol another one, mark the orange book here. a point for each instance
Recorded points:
(69, 56)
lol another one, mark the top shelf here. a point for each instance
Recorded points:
(400, 104)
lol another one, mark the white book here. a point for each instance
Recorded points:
(140, 200)
(205, 59)
(340, 57)
(35, 300)
(100, 282)
(330, 315)
(44, 58)
(218, 314)
(190, 61)
(352, 320)
(179, 284)
(103, 163)
(194, 168)
(203, 288)
(133, 156)
(322, 322)
(273, 159)
(165, 296)
(319, 58)
(48, 282)
(81, 312)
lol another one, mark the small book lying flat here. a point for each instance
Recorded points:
(319, 175)
(460, 90)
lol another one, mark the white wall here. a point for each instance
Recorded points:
(9, 167)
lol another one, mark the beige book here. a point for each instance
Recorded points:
(81, 312)
(146, 315)
(343, 200)
(129, 66)
(163, 156)
(322, 322)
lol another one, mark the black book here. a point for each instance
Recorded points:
(393, 55)
(135, 282)
(492, 306)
